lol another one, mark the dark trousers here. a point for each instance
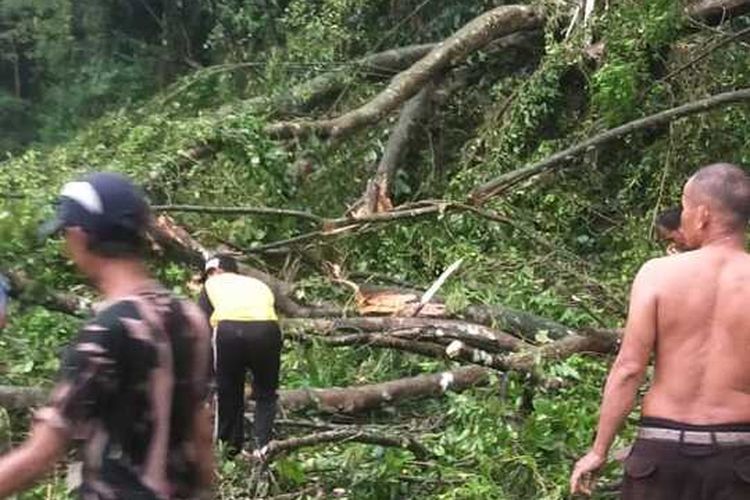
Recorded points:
(241, 346)
(667, 470)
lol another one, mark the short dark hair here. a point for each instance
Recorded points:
(131, 248)
(227, 263)
(669, 218)
(729, 186)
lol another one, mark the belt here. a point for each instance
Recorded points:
(695, 437)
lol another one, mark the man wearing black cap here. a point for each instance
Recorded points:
(246, 336)
(133, 383)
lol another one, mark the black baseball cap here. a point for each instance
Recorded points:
(106, 205)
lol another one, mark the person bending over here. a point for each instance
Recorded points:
(246, 336)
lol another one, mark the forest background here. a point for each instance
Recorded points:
(349, 151)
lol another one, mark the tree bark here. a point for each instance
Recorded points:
(377, 195)
(505, 181)
(367, 397)
(19, 398)
(450, 329)
(27, 290)
(716, 11)
(377, 340)
(474, 35)
(520, 323)
(276, 448)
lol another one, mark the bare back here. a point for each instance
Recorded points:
(702, 363)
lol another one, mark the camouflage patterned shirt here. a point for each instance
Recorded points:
(130, 386)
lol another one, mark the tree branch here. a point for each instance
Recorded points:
(28, 290)
(376, 197)
(276, 448)
(477, 33)
(505, 181)
(450, 329)
(367, 397)
(201, 209)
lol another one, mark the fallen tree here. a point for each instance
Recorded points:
(717, 11)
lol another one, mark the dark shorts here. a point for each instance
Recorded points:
(668, 470)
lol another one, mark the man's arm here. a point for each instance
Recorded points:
(626, 375)
(32, 459)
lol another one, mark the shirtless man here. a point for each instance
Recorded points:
(691, 310)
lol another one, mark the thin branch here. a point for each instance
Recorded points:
(504, 182)
(276, 448)
(705, 53)
(237, 211)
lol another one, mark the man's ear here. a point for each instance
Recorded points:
(704, 216)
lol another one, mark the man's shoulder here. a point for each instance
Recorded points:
(110, 315)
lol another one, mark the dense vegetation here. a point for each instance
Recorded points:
(180, 95)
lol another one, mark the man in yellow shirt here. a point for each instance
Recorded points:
(246, 336)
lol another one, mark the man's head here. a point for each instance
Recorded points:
(668, 228)
(102, 217)
(715, 203)
(218, 264)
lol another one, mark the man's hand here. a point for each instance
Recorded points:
(32, 459)
(582, 478)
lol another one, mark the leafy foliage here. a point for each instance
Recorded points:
(575, 239)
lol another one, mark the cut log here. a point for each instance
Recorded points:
(471, 37)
